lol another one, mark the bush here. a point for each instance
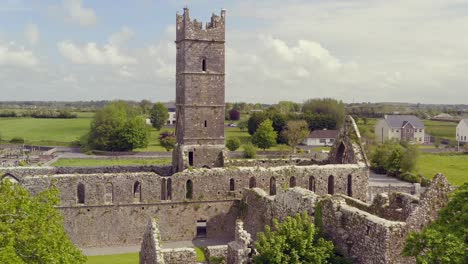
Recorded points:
(233, 143)
(17, 140)
(234, 115)
(250, 152)
(410, 177)
(167, 140)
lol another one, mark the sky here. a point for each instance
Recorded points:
(356, 51)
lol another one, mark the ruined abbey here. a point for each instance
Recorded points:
(203, 193)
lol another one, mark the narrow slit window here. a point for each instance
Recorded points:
(204, 65)
(206, 124)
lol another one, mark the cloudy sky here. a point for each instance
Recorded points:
(356, 51)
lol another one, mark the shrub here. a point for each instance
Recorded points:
(234, 115)
(167, 140)
(250, 152)
(233, 143)
(410, 177)
(17, 140)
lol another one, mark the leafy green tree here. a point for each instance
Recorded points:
(294, 241)
(326, 106)
(118, 127)
(255, 120)
(296, 131)
(250, 152)
(445, 240)
(265, 136)
(242, 125)
(167, 140)
(159, 115)
(145, 106)
(233, 143)
(31, 228)
(410, 158)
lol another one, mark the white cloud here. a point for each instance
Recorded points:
(31, 33)
(79, 14)
(11, 55)
(92, 54)
(121, 37)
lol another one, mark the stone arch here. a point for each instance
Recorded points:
(189, 189)
(350, 185)
(292, 182)
(312, 183)
(252, 182)
(109, 193)
(80, 193)
(340, 153)
(137, 192)
(206, 167)
(272, 186)
(232, 184)
(163, 189)
(10, 177)
(169, 189)
(331, 184)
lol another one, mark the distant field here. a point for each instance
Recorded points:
(108, 162)
(441, 129)
(454, 167)
(129, 258)
(48, 132)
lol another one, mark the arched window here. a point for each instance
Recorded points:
(340, 154)
(80, 193)
(163, 189)
(204, 65)
(272, 186)
(331, 184)
(350, 185)
(137, 192)
(292, 182)
(169, 189)
(252, 182)
(109, 195)
(189, 189)
(312, 183)
(232, 185)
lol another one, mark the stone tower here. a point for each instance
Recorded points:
(200, 85)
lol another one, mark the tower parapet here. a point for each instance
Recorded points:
(194, 30)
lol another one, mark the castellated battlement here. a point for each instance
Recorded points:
(193, 30)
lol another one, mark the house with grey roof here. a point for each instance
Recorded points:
(400, 127)
(321, 138)
(462, 131)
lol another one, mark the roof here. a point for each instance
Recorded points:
(465, 120)
(323, 134)
(398, 121)
(171, 107)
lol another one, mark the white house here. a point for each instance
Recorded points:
(462, 131)
(400, 127)
(321, 138)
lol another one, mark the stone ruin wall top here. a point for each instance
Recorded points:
(194, 30)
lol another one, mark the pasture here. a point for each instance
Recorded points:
(453, 166)
(129, 258)
(440, 129)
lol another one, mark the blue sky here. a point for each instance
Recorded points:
(362, 50)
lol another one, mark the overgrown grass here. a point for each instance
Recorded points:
(108, 162)
(129, 258)
(454, 167)
(200, 254)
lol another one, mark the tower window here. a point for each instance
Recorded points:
(190, 158)
(206, 124)
(204, 65)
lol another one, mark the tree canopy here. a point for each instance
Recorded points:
(118, 127)
(31, 228)
(296, 131)
(446, 239)
(159, 115)
(265, 136)
(294, 241)
(326, 107)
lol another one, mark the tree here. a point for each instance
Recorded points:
(294, 241)
(145, 106)
(167, 140)
(250, 152)
(445, 240)
(118, 127)
(437, 142)
(159, 115)
(327, 106)
(233, 143)
(265, 136)
(410, 158)
(255, 120)
(234, 115)
(242, 125)
(31, 228)
(296, 131)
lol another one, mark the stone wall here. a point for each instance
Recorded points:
(220, 252)
(179, 255)
(241, 249)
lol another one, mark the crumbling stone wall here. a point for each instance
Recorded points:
(150, 252)
(240, 250)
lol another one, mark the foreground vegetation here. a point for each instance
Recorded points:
(109, 162)
(129, 258)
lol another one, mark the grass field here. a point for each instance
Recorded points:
(108, 162)
(130, 258)
(440, 129)
(45, 132)
(454, 167)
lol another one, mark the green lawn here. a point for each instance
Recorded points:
(129, 258)
(46, 132)
(154, 145)
(108, 162)
(440, 129)
(454, 167)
